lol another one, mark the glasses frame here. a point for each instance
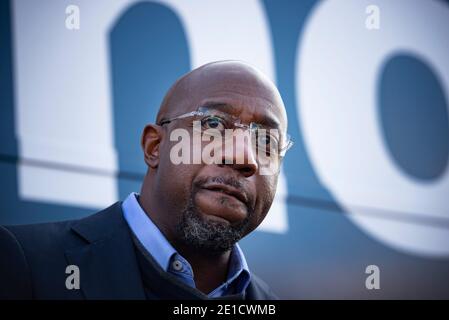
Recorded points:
(203, 111)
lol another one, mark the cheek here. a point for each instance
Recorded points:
(265, 194)
(175, 180)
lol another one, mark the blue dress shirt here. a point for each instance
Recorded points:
(171, 261)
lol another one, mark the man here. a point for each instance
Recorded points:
(177, 239)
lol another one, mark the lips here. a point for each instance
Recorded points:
(229, 190)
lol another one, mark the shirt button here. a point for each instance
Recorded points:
(177, 265)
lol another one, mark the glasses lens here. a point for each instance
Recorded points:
(213, 122)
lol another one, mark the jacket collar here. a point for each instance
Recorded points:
(107, 263)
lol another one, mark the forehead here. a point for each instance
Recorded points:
(252, 100)
(241, 90)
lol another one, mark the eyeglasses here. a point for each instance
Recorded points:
(215, 122)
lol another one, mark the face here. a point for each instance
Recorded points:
(212, 206)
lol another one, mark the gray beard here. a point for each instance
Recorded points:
(211, 237)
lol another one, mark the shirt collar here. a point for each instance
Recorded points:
(147, 232)
(161, 250)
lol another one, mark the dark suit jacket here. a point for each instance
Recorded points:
(34, 258)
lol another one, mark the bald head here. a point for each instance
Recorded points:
(231, 82)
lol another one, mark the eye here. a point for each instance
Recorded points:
(266, 143)
(264, 140)
(213, 122)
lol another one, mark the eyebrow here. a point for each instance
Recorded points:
(266, 121)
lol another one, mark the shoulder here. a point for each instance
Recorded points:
(47, 237)
(259, 290)
(14, 270)
(43, 236)
(32, 256)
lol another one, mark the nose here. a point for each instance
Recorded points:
(239, 153)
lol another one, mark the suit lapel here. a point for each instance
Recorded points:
(107, 263)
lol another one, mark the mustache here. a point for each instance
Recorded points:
(230, 181)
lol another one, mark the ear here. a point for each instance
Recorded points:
(150, 142)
